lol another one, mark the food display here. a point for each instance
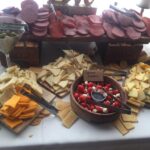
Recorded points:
(59, 75)
(123, 25)
(83, 96)
(98, 102)
(16, 76)
(17, 109)
(137, 85)
(105, 101)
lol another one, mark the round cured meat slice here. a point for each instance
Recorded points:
(96, 30)
(94, 19)
(147, 24)
(118, 32)
(110, 16)
(36, 29)
(43, 15)
(27, 16)
(138, 24)
(42, 20)
(82, 31)
(140, 30)
(124, 20)
(41, 24)
(69, 31)
(40, 33)
(132, 33)
(108, 29)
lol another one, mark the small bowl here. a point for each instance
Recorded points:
(92, 116)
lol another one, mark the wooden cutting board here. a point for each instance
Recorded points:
(46, 95)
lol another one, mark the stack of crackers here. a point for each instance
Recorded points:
(58, 76)
(65, 113)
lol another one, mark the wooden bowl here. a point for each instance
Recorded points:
(92, 116)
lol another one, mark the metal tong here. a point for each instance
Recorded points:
(40, 100)
(125, 109)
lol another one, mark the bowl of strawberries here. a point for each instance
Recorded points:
(99, 102)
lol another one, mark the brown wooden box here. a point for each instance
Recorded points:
(114, 53)
(26, 53)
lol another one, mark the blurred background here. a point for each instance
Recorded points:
(100, 4)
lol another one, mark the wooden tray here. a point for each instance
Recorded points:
(50, 89)
(47, 95)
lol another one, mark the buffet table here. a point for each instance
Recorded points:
(51, 134)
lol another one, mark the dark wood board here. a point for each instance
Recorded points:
(105, 39)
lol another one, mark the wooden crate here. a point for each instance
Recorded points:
(114, 53)
(26, 53)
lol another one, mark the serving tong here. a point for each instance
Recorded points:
(28, 92)
(100, 96)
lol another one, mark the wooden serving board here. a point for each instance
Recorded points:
(46, 95)
(50, 89)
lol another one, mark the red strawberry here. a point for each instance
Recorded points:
(80, 88)
(90, 84)
(89, 90)
(99, 108)
(76, 95)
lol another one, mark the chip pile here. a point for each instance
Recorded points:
(137, 85)
(59, 75)
(15, 76)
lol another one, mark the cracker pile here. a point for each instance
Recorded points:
(15, 76)
(65, 113)
(137, 85)
(59, 75)
(17, 109)
(125, 123)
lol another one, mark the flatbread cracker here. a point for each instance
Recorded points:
(129, 118)
(63, 113)
(118, 124)
(60, 104)
(70, 119)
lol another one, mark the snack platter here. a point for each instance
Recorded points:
(77, 102)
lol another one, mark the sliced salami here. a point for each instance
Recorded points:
(132, 33)
(41, 24)
(108, 29)
(138, 24)
(36, 29)
(124, 20)
(118, 32)
(94, 19)
(69, 31)
(69, 22)
(82, 24)
(43, 15)
(96, 30)
(147, 23)
(40, 33)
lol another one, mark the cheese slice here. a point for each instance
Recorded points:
(13, 101)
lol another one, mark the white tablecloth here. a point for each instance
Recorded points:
(82, 135)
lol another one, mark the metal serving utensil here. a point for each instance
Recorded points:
(99, 97)
(40, 100)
